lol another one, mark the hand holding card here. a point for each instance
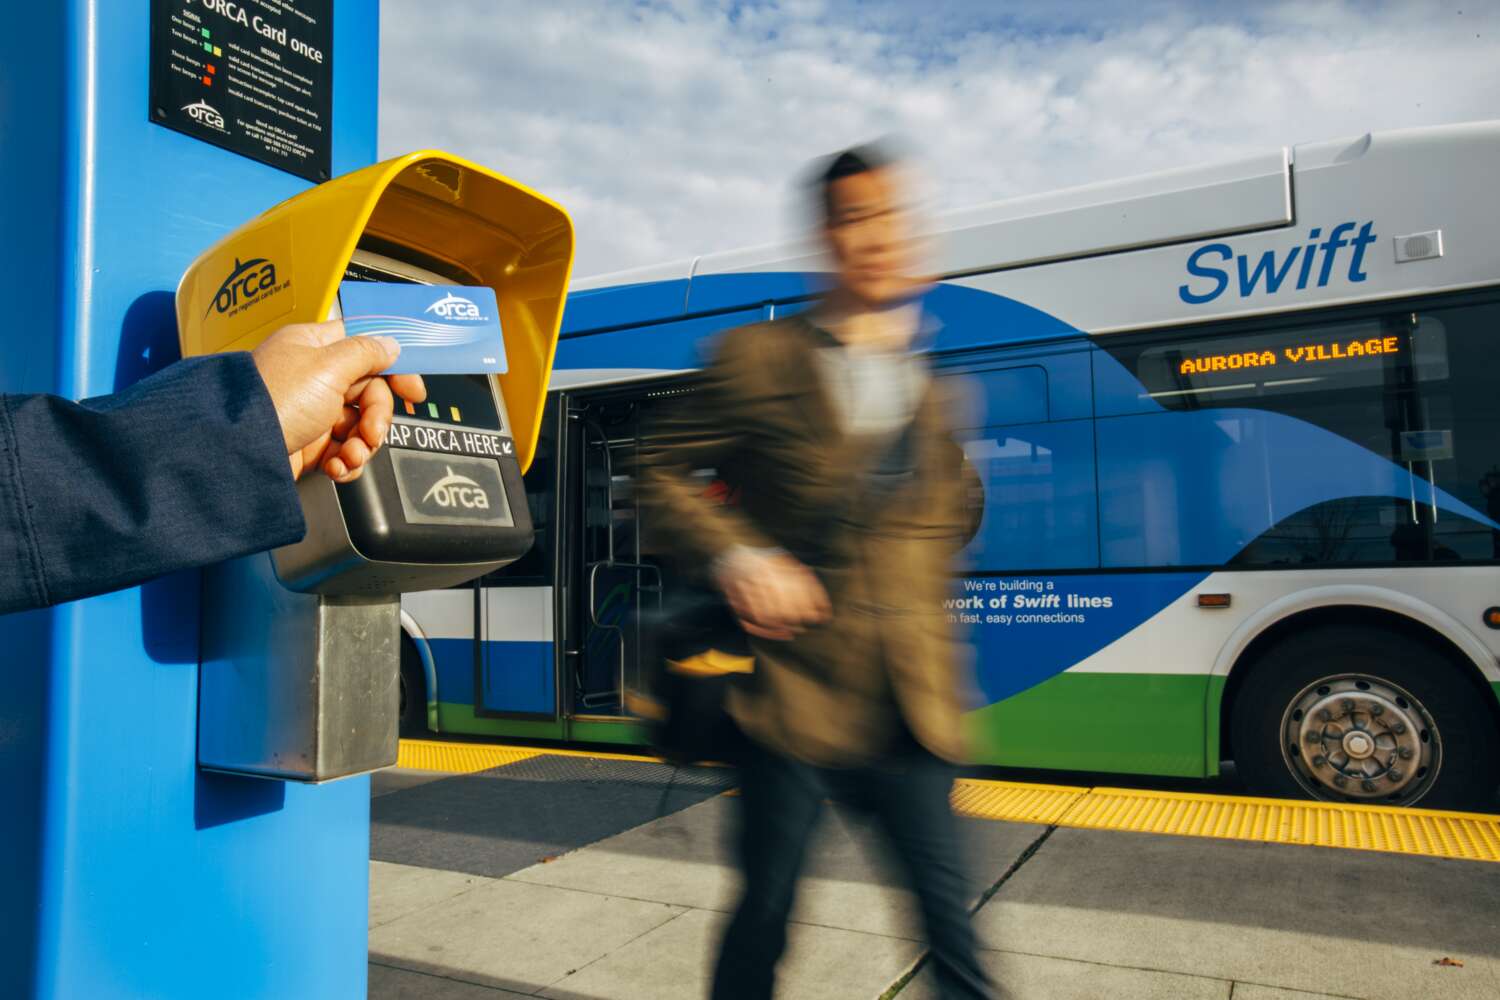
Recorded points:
(442, 329)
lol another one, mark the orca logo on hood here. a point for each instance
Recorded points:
(244, 286)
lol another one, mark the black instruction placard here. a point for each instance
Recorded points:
(252, 76)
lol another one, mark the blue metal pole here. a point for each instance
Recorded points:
(127, 871)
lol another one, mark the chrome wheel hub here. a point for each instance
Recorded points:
(1359, 744)
(1355, 736)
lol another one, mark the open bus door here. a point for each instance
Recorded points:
(613, 579)
(559, 649)
(551, 641)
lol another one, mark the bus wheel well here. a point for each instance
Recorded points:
(413, 686)
(1355, 615)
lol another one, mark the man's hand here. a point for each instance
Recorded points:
(333, 405)
(773, 595)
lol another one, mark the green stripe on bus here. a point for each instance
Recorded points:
(455, 717)
(1124, 723)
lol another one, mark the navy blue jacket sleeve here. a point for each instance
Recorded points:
(182, 469)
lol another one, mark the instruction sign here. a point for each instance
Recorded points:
(252, 76)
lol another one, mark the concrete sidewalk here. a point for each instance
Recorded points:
(1068, 915)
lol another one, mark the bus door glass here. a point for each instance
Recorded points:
(609, 570)
(516, 669)
(619, 575)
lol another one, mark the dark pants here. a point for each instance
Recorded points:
(908, 797)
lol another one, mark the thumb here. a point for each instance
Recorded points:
(355, 358)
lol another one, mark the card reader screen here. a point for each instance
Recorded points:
(455, 400)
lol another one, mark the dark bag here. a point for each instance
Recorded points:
(694, 646)
(696, 650)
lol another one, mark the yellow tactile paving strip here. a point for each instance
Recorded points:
(1472, 836)
(457, 758)
(1426, 832)
(466, 758)
(1013, 801)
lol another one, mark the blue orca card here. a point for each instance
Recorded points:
(442, 329)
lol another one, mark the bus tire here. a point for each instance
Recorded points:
(413, 705)
(1360, 714)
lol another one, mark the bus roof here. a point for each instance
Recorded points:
(1041, 249)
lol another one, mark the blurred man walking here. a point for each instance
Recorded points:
(836, 561)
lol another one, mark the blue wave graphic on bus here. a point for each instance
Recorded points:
(1213, 464)
(1232, 473)
(410, 332)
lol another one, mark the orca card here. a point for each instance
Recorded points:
(442, 329)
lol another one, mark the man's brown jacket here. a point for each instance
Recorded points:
(835, 694)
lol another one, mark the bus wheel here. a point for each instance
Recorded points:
(413, 691)
(1365, 715)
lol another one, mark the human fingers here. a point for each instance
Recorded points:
(738, 598)
(353, 453)
(343, 462)
(353, 391)
(780, 605)
(305, 335)
(330, 449)
(376, 404)
(749, 600)
(347, 421)
(321, 334)
(761, 632)
(814, 597)
(352, 359)
(408, 387)
(344, 475)
(310, 456)
(796, 597)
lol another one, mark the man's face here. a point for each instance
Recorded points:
(872, 233)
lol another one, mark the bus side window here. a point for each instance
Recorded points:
(1369, 440)
(1037, 471)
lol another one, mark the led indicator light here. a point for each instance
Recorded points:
(218, 51)
(208, 47)
(410, 410)
(456, 418)
(208, 81)
(205, 32)
(433, 411)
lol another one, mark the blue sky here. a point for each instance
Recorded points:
(675, 128)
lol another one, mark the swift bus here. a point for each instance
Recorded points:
(1240, 445)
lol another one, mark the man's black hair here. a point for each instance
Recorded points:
(851, 162)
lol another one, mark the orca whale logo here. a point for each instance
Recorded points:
(248, 279)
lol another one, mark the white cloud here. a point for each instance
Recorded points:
(676, 128)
